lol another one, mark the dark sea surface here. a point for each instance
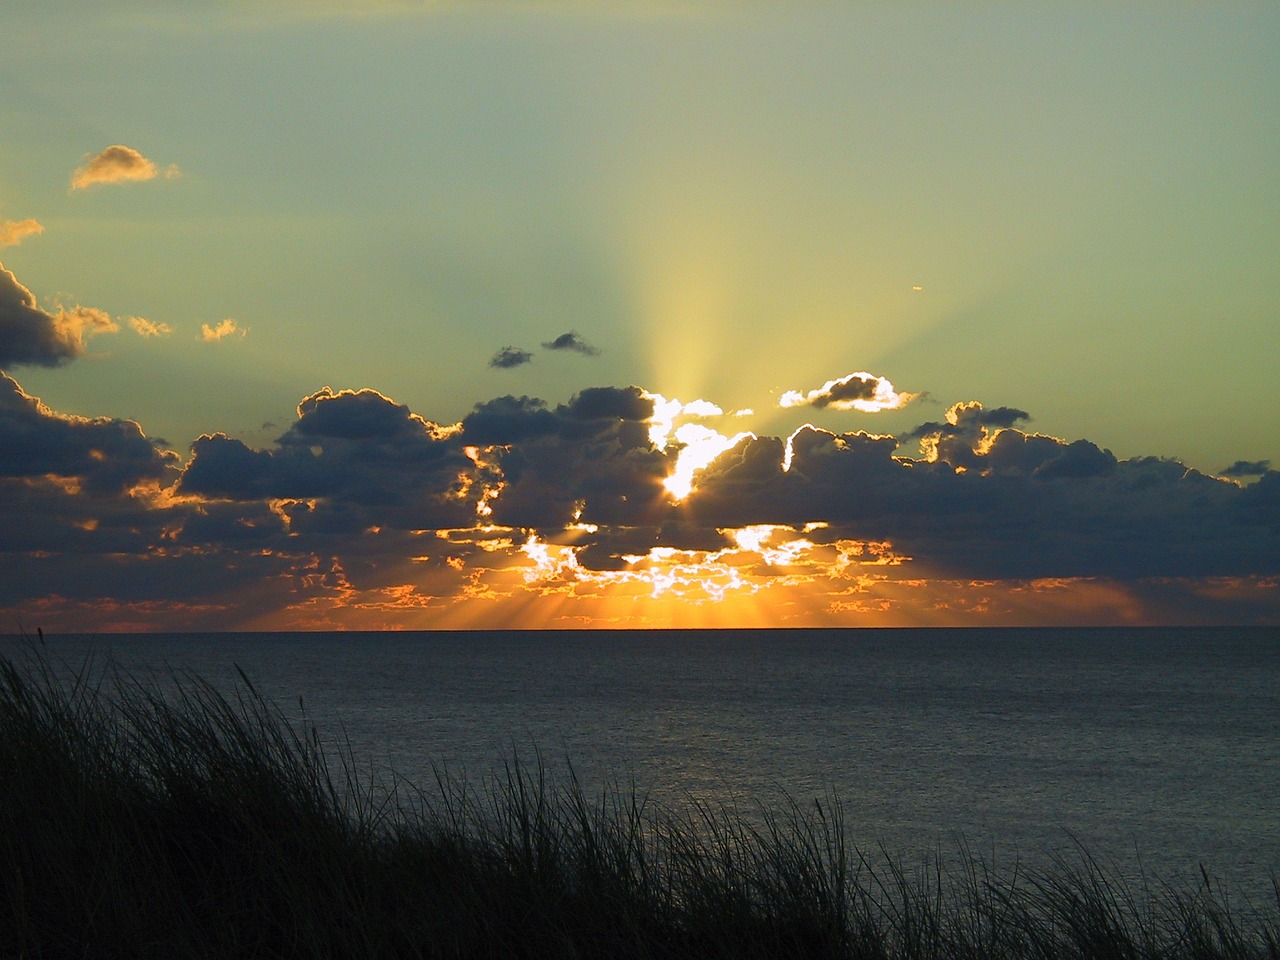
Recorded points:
(1155, 750)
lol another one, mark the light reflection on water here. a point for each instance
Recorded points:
(1158, 747)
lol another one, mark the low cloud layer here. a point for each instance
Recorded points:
(31, 335)
(363, 512)
(117, 164)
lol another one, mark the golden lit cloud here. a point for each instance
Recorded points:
(76, 323)
(221, 330)
(858, 391)
(118, 164)
(148, 328)
(13, 232)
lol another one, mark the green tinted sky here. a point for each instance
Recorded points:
(729, 201)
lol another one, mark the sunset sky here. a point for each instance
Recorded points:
(401, 313)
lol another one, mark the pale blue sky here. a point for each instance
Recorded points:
(729, 201)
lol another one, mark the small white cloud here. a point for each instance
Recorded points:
(858, 391)
(701, 408)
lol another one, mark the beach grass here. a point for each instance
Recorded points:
(164, 818)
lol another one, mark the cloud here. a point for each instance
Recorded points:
(966, 431)
(606, 403)
(857, 391)
(998, 503)
(118, 164)
(147, 328)
(508, 419)
(1246, 468)
(509, 357)
(366, 511)
(13, 232)
(368, 457)
(573, 342)
(591, 456)
(102, 456)
(33, 336)
(220, 331)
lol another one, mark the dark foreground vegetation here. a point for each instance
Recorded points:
(165, 819)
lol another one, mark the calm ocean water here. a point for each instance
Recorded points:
(1154, 749)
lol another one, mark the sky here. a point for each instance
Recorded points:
(638, 313)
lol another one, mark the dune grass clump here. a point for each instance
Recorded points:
(168, 819)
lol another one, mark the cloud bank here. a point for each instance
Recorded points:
(366, 513)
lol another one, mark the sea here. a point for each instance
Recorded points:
(1153, 751)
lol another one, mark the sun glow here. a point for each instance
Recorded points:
(700, 446)
(788, 448)
(757, 539)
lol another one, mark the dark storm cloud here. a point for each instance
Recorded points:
(41, 516)
(105, 457)
(356, 415)
(595, 403)
(1260, 502)
(31, 335)
(612, 475)
(592, 455)
(356, 447)
(573, 342)
(1012, 452)
(1000, 503)
(85, 518)
(228, 468)
(509, 357)
(509, 419)
(1246, 468)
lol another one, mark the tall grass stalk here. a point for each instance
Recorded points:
(145, 818)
